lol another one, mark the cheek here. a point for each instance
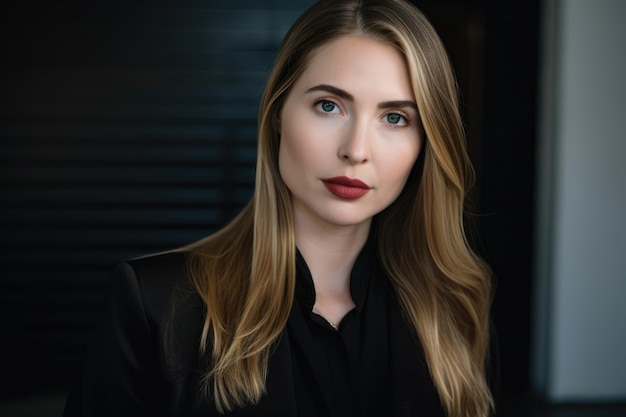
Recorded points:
(289, 152)
(295, 150)
(398, 165)
(286, 161)
(300, 147)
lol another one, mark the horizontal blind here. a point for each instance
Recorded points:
(126, 129)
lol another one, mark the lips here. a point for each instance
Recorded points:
(346, 188)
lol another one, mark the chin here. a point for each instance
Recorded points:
(347, 220)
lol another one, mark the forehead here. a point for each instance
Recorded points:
(358, 61)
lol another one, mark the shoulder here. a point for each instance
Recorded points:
(172, 261)
(163, 269)
(159, 280)
(160, 272)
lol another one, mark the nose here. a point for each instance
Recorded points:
(355, 147)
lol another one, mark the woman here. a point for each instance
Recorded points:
(346, 286)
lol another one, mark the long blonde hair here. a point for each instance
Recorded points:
(245, 273)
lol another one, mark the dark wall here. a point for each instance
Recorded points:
(128, 128)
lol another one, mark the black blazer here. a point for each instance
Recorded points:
(144, 355)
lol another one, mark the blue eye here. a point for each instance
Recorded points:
(327, 106)
(394, 118)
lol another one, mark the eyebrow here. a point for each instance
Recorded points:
(397, 103)
(333, 90)
(345, 95)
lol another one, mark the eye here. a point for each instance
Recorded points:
(327, 106)
(396, 119)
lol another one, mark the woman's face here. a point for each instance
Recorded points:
(350, 132)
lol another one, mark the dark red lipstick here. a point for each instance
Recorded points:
(347, 188)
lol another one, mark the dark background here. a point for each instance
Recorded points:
(128, 128)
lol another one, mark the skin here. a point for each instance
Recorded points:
(352, 114)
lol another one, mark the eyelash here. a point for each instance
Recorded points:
(407, 120)
(320, 102)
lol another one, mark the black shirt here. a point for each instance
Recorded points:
(342, 372)
(144, 357)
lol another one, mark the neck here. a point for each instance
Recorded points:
(330, 253)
